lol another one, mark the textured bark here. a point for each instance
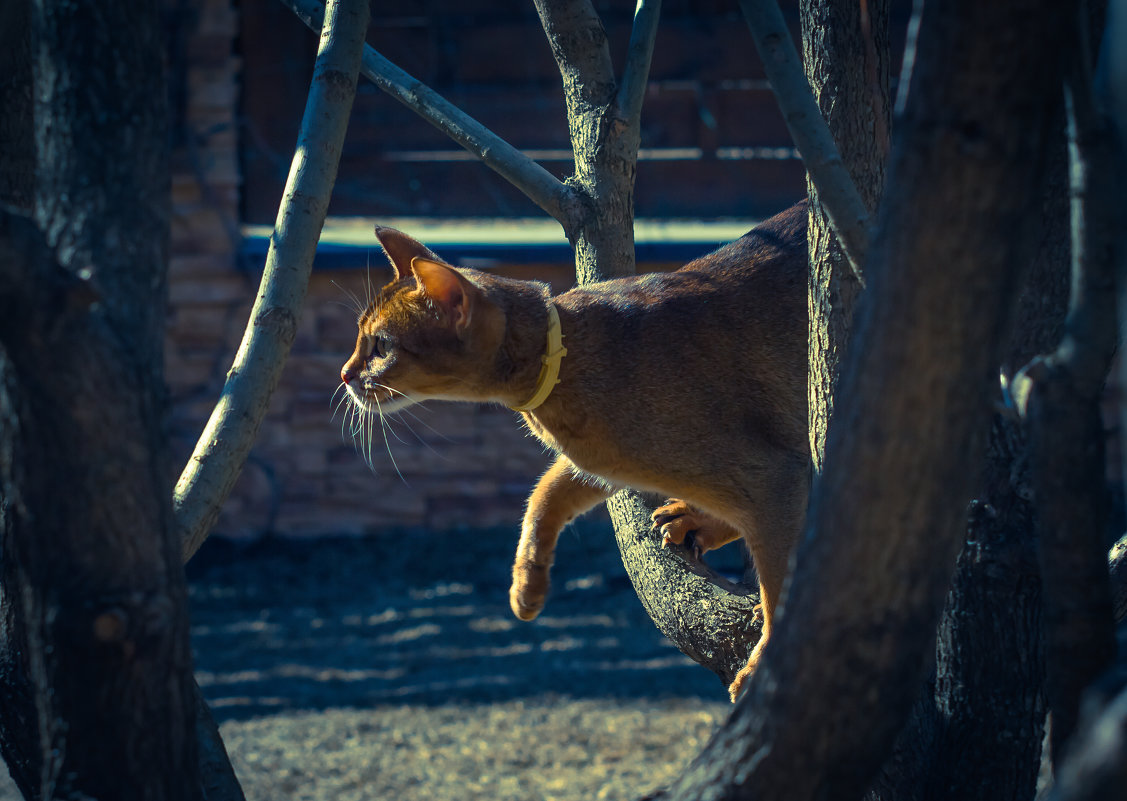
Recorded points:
(846, 58)
(227, 438)
(711, 620)
(603, 140)
(887, 523)
(976, 729)
(93, 591)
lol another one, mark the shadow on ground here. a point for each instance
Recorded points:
(284, 626)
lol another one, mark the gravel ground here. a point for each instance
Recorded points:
(392, 668)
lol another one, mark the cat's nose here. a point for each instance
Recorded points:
(346, 375)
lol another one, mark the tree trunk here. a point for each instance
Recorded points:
(91, 572)
(855, 637)
(845, 54)
(17, 159)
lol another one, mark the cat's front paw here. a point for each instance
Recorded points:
(529, 589)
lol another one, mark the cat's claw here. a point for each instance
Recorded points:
(678, 526)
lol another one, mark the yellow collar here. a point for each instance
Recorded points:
(550, 361)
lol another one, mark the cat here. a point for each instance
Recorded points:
(691, 384)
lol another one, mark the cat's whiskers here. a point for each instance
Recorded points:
(351, 296)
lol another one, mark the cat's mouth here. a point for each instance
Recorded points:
(378, 401)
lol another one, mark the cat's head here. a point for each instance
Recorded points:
(430, 333)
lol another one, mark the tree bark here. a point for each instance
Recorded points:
(92, 584)
(855, 635)
(846, 58)
(17, 157)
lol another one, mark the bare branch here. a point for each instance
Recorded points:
(836, 190)
(223, 447)
(636, 73)
(538, 185)
(712, 621)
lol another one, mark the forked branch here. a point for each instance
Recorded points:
(223, 447)
(540, 186)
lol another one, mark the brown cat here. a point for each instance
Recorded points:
(691, 384)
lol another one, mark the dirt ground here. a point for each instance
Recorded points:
(391, 668)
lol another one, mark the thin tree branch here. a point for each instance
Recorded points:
(538, 185)
(836, 190)
(636, 72)
(223, 447)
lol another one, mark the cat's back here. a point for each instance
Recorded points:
(756, 284)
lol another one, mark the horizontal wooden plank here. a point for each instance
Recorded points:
(752, 188)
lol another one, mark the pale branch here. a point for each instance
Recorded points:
(538, 185)
(230, 432)
(636, 72)
(1065, 421)
(838, 194)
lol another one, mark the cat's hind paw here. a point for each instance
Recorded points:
(681, 524)
(677, 523)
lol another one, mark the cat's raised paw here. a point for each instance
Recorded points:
(529, 589)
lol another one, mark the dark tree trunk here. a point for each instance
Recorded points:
(845, 54)
(97, 686)
(858, 628)
(17, 158)
(990, 660)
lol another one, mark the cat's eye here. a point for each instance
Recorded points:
(381, 346)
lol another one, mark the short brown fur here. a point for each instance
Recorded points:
(691, 384)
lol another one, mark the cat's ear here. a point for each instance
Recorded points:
(447, 288)
(401, 249)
